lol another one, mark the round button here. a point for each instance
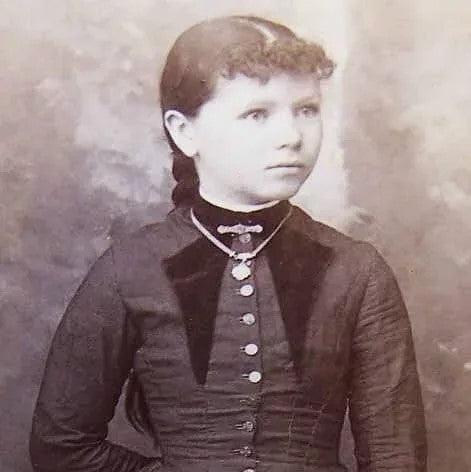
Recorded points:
(246, 451)
(250, 400)
(249, 426)
(250, 349)
(248, 319)
(245, 238)
(246, 290)
(255, 376)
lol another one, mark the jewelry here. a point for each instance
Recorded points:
(239, 229)
(242, 270)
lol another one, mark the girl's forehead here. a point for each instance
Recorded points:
(282, 86)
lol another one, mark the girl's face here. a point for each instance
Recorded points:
(255, 143)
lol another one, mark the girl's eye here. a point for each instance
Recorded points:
(259, 114)
(308, 111)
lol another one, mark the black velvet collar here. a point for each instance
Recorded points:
(196, 274)
(297, 262)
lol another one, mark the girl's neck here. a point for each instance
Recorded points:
(240, 207)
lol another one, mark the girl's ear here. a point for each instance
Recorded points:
(182, 132)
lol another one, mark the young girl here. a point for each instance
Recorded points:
(244, 326)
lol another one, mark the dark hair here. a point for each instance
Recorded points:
(225, 47)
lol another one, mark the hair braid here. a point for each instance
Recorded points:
(186, 177)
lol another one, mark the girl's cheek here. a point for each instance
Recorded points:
(311, 128)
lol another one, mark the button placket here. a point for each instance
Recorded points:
(249, 352)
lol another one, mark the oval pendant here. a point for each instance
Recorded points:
(241, 271)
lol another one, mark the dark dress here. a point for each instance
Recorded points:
(251, 375)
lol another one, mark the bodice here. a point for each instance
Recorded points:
(251, 413)
(237, 375)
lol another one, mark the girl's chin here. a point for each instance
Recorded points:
(283, 190)
(278, 194)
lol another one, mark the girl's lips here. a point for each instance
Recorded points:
(286, 166)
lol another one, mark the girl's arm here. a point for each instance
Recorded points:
(386, 408)
(89, 360)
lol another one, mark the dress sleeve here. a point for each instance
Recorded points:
(385, 404)
(88, 362)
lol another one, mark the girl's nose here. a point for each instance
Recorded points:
(288, 133)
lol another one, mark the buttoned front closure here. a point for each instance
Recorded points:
(236, 359)
(227, 419)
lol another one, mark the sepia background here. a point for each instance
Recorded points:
(82, 158)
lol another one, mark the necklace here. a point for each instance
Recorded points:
(242, 270)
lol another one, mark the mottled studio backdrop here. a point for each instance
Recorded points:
(82, 158)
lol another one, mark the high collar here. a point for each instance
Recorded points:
(211, 216)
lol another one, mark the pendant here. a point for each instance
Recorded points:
(241, 271)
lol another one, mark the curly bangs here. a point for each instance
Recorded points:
(262, 60)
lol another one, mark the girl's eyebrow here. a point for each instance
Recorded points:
(250, 107)
(311, 100)
(257, 104)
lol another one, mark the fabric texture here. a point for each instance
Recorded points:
(330, 329)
